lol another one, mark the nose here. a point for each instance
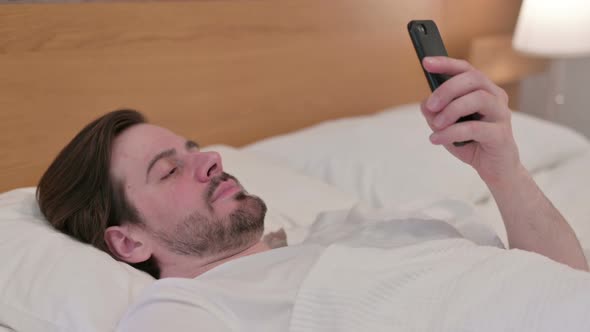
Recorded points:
(208, 165)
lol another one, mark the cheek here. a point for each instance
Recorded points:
(172, 202)
(186, 194)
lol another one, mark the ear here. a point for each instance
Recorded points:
(126, 243)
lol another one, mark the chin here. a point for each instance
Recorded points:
(239, 224)
(253, 204)
(252, 208)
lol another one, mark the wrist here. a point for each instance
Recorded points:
(518, 177)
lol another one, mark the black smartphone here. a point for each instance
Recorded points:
(428, 42)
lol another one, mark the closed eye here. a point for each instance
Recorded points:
(172, 171)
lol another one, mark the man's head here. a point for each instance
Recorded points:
(147, 196)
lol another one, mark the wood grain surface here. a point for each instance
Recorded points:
(221, 71)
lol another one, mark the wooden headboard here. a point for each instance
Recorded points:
(224, 71)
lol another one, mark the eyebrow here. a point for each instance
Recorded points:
(189, 144)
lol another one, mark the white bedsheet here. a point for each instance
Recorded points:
(266, 285)
(442, 285)
(565, 182)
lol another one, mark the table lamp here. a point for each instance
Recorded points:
(557, 29)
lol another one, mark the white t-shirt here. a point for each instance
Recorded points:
(257, 292)
(253, 293)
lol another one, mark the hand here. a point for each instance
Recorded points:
(494, 154)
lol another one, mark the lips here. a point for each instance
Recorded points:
(225, 189)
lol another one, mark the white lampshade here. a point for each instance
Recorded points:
(554, 28)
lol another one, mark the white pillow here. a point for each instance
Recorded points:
(49, 282)
(387, 158)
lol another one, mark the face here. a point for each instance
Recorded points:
(188, 204)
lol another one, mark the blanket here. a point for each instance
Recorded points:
(447, 284)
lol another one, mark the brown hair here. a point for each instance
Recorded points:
(77, 194)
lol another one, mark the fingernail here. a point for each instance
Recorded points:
(430, 60)
(432, 103)
(434, 137)
(439, 121)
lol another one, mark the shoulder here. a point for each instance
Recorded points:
(173, 304)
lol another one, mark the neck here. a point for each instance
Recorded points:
(192, 267)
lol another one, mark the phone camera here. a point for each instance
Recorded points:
(422, 28)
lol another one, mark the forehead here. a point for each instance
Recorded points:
(134, 147)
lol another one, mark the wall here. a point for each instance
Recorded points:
(536, 96)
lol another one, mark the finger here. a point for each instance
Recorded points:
(445, 65)
(479, 131)
(479, 101)
(460, 85)
(429, 116)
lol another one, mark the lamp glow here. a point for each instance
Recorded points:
(553, 28)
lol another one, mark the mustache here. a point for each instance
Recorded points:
(215, 182)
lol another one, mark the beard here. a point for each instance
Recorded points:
(200, 235)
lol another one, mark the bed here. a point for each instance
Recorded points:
(307, 92)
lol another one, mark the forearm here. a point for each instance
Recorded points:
(533, 223)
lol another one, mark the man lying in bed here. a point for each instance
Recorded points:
(152, 199)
